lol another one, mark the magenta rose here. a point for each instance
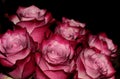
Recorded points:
(71, 29)
(102, 43)
(57, 57)
(91, 64)
(32, 17)
(15, 45)
(36, 21)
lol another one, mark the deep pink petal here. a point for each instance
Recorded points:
(30, 25)
(6, 63)
(56, 74)
(24, 68)
(13, 18)
(39, 74)
(29, 68)
(40, 33)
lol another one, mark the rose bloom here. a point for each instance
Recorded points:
(15, 45)
(102, 43)
(56, 58)
(91, 64)
(36, 21)
(32, 17)
(71, 29)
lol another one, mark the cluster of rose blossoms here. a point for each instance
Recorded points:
(41, 47)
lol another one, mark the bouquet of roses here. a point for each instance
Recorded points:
(41, 47)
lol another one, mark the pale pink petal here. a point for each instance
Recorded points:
(30, 13)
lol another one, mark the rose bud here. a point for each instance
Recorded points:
(71, 29)
(15, 45)
(91, 64)
(103, 43)
(57, 57)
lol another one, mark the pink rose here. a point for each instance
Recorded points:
(15, 45)
(91, 64)
(57, 57)
(102, 43)
(71, 29)
(47, 74)
(36, 21)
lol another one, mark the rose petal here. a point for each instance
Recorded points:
(40, 74)
(56, 74)
(40, 33)
(30, 25)
(20, 55)
(24, 68)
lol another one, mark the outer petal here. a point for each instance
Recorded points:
(40, 74)
(81, 70)
(13, 18)
(20, 55)
(103, 44)
(40, 33)
(30, 25)
(72, 22)
(110, 44)
(6, 63)
(56, 74)
(24, 68)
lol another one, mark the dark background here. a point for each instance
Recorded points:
(100, 16)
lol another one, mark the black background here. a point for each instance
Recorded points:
(100, 16)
